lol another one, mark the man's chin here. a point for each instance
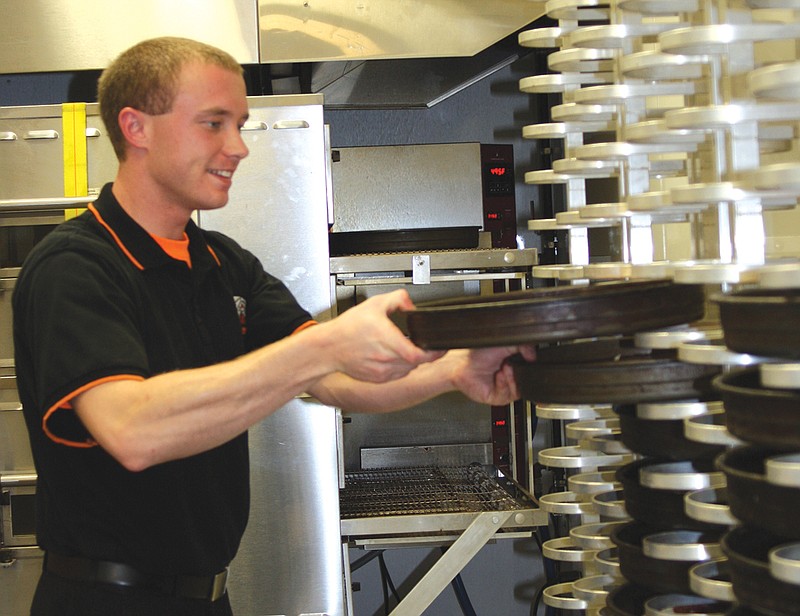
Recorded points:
(219, 200)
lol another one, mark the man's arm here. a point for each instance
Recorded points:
(182, 413)
(481, 374)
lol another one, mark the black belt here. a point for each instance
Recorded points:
(210, 587)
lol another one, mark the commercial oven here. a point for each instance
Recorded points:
(438, 220)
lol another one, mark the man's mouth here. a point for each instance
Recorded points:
(222, 173)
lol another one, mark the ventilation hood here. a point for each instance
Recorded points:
(404, 83)
(393, 53)
(362, 53)
(320, 30)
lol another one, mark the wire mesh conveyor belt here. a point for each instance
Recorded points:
(425, 490)
(463, 507)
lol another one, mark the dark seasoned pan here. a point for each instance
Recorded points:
(626, 380)
(628, 600)
(754, 500)
(761, 321)
(402, 240)
(659, 437)
(595, 349)
(658, 575)
(657, 507)
(554, 314)
(767, 417)
(747, 549)
(632, 600)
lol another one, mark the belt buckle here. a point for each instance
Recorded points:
(218, 585)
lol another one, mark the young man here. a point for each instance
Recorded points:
(137, 377)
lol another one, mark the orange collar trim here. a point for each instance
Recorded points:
(114, 235)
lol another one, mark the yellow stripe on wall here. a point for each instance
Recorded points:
(76, 174)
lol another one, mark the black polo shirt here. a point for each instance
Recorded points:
(99, 299)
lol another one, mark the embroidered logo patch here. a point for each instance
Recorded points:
(241, 310)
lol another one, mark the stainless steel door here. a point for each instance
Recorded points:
(31, 152)
(278, 203)
(290, 561)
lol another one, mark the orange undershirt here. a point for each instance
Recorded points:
(177, 249)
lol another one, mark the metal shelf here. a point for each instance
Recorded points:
(396, 507)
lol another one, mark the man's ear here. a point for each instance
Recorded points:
(132, 123)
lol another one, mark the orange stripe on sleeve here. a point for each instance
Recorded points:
(66, 404)
(305, 325)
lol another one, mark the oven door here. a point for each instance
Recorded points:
(23, 223)
(17, 508)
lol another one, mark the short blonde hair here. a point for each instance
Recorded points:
(145, 77)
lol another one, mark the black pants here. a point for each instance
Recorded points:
(56, 596)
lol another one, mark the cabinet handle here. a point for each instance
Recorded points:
(92, 132)
(254, 125)
(286, 124)
(8, 136)
(41, 134)
(55, 203)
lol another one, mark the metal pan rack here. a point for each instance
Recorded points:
(690, 110)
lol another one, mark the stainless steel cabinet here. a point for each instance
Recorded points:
(34, 151)
(290, 561)
(31, 152)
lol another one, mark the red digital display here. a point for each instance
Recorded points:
(498, 171)
(494, 216)
(500, 423)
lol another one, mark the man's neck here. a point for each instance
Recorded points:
(144, 205)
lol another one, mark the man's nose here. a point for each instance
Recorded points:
(235, 146)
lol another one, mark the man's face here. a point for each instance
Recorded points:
(196, 147)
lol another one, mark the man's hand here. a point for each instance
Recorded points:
(367, 346)
(485, 374)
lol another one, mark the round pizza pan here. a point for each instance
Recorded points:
(753, 499)
(658, 437)
(658, 575)
(594, 349)
(626, 380)
(628, 600)
(747, 549)
(659, 507)
(761, 321)
(758, 415)
(554, 314)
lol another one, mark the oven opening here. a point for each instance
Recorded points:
(23, 514)
(17, 241)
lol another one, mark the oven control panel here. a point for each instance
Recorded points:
(499, 201)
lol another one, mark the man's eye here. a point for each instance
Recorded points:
(214, 124)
